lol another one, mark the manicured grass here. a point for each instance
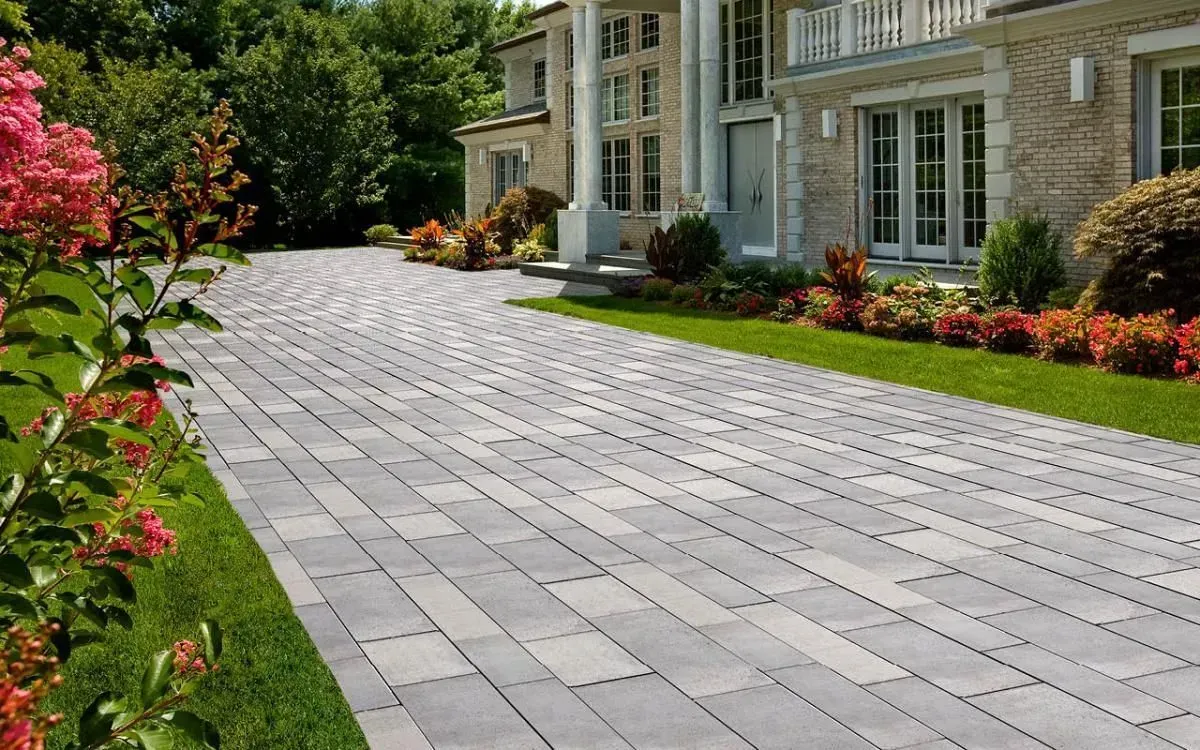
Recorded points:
(1160, 408)
(273, 690)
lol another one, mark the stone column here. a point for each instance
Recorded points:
(591, 127)
(689, 95)
(579, 37)
(710, 106)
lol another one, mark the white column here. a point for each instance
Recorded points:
(579, 41)
(591, 127)
(689, 110)
(710, 106)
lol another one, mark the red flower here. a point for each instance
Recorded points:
(959, 329)
(1145, 344)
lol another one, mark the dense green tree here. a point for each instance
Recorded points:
(99, 28)
(311, 111)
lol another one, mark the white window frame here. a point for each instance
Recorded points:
(539, 96)
(728, 59)
(610, 177)
(570, 50)
(1154, 117)
(608, 99)
(512, 161)
(647, 174)
(649, 108)
(608, 38)
(649, 27)
(907, 250)
(570, 108)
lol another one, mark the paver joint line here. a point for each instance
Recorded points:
(506, 529)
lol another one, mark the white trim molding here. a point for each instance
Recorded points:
(1164, 40)
(880, 73)
(918, 90)
(1067, 17)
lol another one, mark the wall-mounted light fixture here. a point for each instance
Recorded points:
(482, 157)
(1083, 79)
(829, 123)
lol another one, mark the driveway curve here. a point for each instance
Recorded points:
(506, 529)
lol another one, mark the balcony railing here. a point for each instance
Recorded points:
(853, 27)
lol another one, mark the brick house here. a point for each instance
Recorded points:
(910, 124)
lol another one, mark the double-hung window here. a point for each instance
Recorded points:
(651, 105)
(649, 38)
(570, 171)
(539, 80)
(614, 38)
(651, 174)
(508, 171)
(924, 180)
(570, 107)
(615, 176)
(615, 98)
(570, 50)
(1175, 114)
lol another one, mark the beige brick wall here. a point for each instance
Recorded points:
(1067, 157)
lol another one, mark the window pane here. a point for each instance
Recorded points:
(885, 180)
(1191, 157)
(974, 187)
(650, 93)
(651, 174)
(1191, 85)
(1170, 88)
(747, 50)
(1191, 127)
(929, 148)
(650, 24)
(1170, 159)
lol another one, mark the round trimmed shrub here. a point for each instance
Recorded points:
(520, 210)
(1150, 235)
(1021, 262)
(380, 232)
(1062, 334)
(1143, 344)
(700, 243)
(959, 329)
(1007, 331)
(657, 290)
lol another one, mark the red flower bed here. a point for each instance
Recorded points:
(843, 314)
(1144, 345)
(1187, 338)
(1062, 334)
(1007, 331)
(959, 329)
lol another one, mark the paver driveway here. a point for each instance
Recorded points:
(506, 529)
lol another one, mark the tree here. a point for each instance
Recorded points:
(316, 126)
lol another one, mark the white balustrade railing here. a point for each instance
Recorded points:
(854, 27)
(819, 35)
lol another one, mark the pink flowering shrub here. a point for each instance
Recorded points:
(51, 179)
(1144, 345)
(1062, 334)
(750, 305)
(1187, 339)
(959, 329)
(81, 510)
(1007, 331)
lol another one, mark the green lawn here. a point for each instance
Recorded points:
(1142, 405)
(273, 689)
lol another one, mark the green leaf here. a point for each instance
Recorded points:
(55, 302)
(10, 490)
(194, 728)
(99, 719)
(156, 677)
(88, 480)
(90, 441)
(119, 616)
(223, 252)
(17, 606)
(210, 634)
(64, 343)
(116, 582)
(89, 516)
(52, 426)
(14, 571)
(52, 533)
(152, 737)
(138, 284)
(158, 372)
(33, 379)
(156, 228)
(61, 639)
(89, 373)
(193, 275)
(119, 428)
(188, 313)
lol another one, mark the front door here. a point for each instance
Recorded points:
(752, 184)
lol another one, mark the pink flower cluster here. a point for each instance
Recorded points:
(51, 179)
(188, 659)
(140, 407)
(144, 535)
(1062, 334)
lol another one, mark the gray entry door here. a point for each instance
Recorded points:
(752, 184)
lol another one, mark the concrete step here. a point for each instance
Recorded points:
(396, 243)
(622, 260)
(581, 273)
